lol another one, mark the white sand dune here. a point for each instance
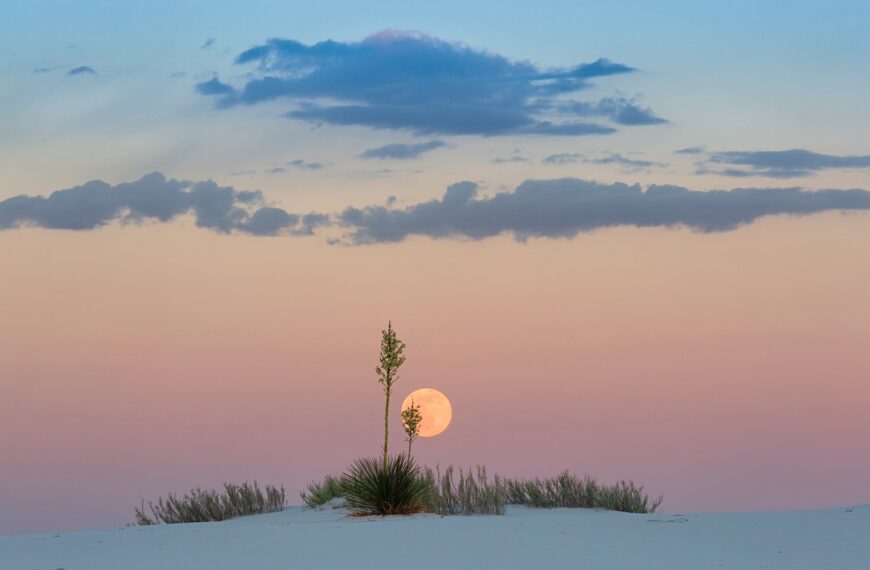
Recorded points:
(523, 538)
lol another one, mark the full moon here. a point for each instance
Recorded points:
(435, 409)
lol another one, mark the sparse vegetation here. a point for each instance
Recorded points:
(469, 493)
(201, 505)
(318, 494)
(372, 488)
(570, 490)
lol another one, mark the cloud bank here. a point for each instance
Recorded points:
(566, 207)
(560, 208)
(419, 83)
(155, 198)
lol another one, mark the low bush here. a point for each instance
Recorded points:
(371, 488)
(209, 505)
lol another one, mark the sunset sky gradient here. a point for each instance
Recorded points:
(526, 192)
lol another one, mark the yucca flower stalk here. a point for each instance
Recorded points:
(392, 357)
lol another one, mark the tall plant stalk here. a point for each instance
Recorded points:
(392, 357)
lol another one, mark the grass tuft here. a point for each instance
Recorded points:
(209, 505)
(318, 494)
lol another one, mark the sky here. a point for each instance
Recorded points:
(625, 240)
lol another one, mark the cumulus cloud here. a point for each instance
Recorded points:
(402, 151)
(154, 198)
(777, 163)
(566, 207)
(415, 82)
(82, 70)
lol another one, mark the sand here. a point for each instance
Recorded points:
(523, 538)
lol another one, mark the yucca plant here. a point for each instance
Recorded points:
(373, 488)
(391, 359)
(411, 418)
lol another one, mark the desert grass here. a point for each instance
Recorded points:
(466, 492)
(318, 494)
(371, 487)
(205, 505)
(572, 491)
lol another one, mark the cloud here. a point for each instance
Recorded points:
(560, 208)
(422, 84)
(41, 70)
(207, 43)
(566, 207)
(778, 163)
(563, 158)
(154, 198)
(304, 164)
(401, 151)
(618, 109)
(629, 164)
(509, 159)
(691, 150)
(82, 70)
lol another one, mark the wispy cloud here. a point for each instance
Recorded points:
(563, 158)
(628, 164)
(777, 163)
(621, 110)
(305, 165)
(82, 70)
(207, 43)
(415, 82)
(516, 157)
(402, 151)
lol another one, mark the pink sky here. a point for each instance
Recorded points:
(725, 371)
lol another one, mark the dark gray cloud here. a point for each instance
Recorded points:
(402, 151)
(154, 198)
(82, 70)
(397, 80)
(777, 163)
(566, 207)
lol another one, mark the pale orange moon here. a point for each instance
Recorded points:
(435, 409)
